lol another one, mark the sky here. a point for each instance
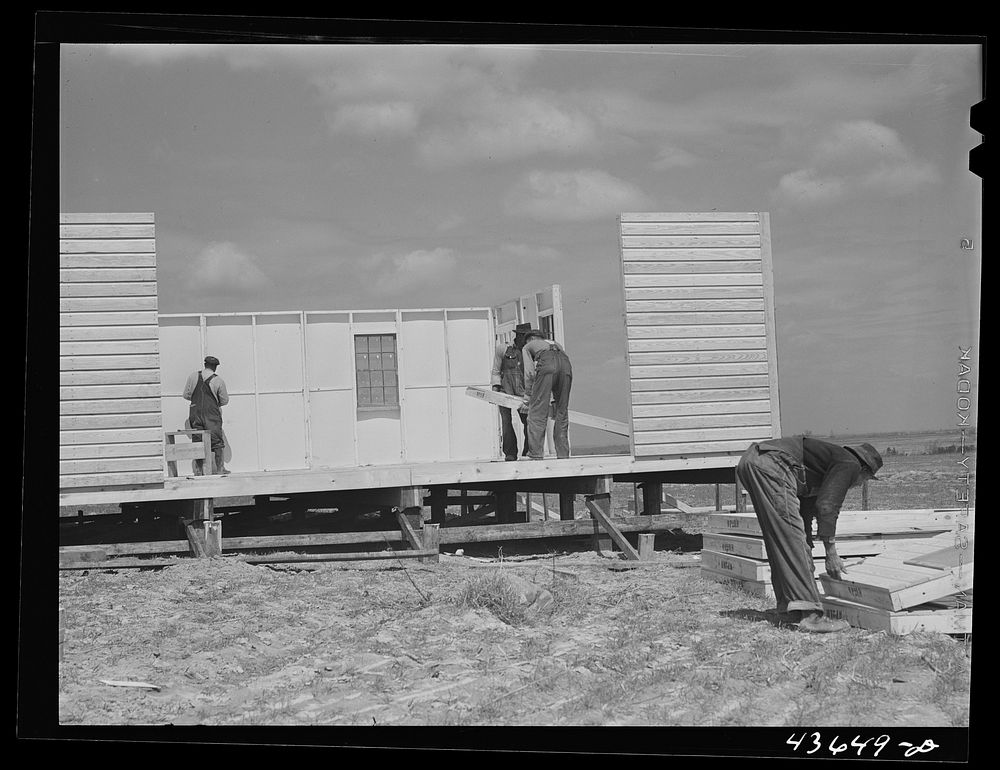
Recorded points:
(328, 177)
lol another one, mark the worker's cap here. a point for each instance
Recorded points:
(522, 328)
(211, 361)
(534, 333)
(868, 456)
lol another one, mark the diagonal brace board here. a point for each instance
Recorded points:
(409, 533)
(601, 517)
(579, 418)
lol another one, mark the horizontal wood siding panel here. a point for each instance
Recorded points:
(652, 411)
(699, 357)
(99, 481)
(104, 231)
(693, 267)
(106, 304)
(110, 246)
(111, 465)
(697, 343)
(106, 274)
(652, 451)
(696, 370)
(93, 333)
(688, 293)
(699, 330)
(91, 421)
(137, 361)
(690, 255)
(87, 451)
(690, 216)
(110, 416)
(132, 289)
(132, 318)
(685, 241)
(110, 391)
(684, 331)
(704, 399)
(643, 425)
(91, 261)
(680, 384)
(691, 228)
(119, 377)
(108, 347)
(695, 319)
(130, 217)
(691, 305)
(111, 436)
(660, 280)
(703, 434)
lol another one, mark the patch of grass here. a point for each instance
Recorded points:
(493, 592)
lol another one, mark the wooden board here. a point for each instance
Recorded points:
(753, 547)
(890, 591)
(859, 522)
(944, 558)
(745, 567)
(513, 402)
(924, 617)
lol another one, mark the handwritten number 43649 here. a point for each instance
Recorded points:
(836, 747)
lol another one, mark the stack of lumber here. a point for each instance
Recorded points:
(733, 552)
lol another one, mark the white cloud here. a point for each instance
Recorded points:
(855, 156)
(383, 118)
(573, 196)
(525, 251)
(420, 268)
(223, 268)
(500, 126)
(674, 157)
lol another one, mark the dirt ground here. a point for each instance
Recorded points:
(229, 643)
(604, 642)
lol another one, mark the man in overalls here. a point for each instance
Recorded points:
(791, 481)
(548, 376)
(207, 393)
(508, 377)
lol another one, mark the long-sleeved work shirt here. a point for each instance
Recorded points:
(217, 386)
(530, 352)
(828, 472)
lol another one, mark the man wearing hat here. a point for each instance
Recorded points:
(548, 376)
(508, 377)
(791, 481)
(207, 393)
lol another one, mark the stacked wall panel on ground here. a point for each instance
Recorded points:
(110, 427)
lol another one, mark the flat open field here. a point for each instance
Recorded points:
(602, 642)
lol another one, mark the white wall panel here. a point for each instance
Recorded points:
(180, 352)
(379, 438)
(425, 424)
(239, 421)
(229, 338)
(331, 419)
(474, 428)
(422, 349)
(330, 359)
(282, 431)
(279, 353)
(470, 354)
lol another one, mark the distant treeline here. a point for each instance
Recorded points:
(933, 449)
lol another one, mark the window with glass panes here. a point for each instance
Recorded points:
(376, 367)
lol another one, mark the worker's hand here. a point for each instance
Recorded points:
(496, 388)
(835, 567)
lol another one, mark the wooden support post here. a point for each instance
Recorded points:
(545, 507)
(527, 506)
(600, 508)
(213, 538)
(741, 505)
(637, 509)
(652, 496)
(439, 504)
(567, 501)
(203, 510)
(432, 541)
(646, 545)
(718, 497)
(506, 506)
(864, 495)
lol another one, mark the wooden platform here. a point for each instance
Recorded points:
(923, 617)
(403, 476)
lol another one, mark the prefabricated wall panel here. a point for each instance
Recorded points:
(110, 424)
(294, 380)
(699, 322)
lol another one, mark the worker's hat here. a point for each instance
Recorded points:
(522, 328)
(211, 361)
(868, 456)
